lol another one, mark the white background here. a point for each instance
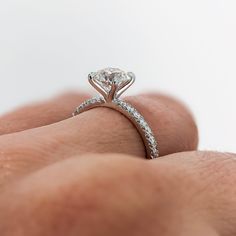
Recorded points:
(184, 47)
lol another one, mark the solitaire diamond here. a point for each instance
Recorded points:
(109, 76)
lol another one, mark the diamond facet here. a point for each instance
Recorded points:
(111, 76)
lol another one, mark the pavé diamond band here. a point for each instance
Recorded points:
(111, 83)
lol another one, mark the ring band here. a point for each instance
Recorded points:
(111, 83)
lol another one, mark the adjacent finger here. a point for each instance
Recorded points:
(41, 114)
(117, 195)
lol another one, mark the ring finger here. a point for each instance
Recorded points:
(100, 130)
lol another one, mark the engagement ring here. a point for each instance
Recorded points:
(111, 83)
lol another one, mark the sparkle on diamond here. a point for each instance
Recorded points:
(109, 76)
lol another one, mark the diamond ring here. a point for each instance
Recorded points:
(111, 83)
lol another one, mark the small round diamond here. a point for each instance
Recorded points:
(151, 139)
(130, 109)
(147, 129)
(142, 122)
(136, 115)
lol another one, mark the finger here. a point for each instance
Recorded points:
(104, 130)
(100, 130)
(117, 195)
(41, 114)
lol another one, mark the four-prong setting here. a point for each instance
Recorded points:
(111, 82)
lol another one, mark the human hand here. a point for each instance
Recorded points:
(87, 175)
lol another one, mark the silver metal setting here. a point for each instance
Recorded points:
(111, 83)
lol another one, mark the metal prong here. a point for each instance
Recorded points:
(131, 75)
(112, 93)
(96, 86)
(127, 85)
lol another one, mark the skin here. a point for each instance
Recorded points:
(88, 175)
